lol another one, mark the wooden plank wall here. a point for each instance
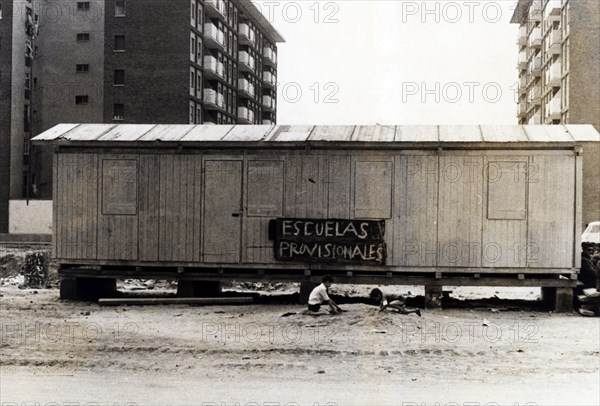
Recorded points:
(118, 207)
(416, 214)
(178, 202)
(552, 211)
(443, 210)
(75, 206)
(460, 211)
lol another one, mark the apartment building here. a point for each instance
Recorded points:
(18, 25)
(559, 61)
(559, 75)
(126, 61)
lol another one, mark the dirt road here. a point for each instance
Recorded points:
(72, 353)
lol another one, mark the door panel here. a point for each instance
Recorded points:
(222, 211)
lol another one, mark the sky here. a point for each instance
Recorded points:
(395, 62)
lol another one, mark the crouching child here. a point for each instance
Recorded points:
(319, 296)
(391, 301)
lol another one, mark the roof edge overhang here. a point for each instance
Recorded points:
(269, 30)
(521, 12)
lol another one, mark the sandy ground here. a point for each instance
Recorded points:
(63, 353)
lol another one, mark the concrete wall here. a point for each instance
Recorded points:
(17, 100)
(5, 112)
(59, 83)
(584, 94)
(155, 61)
(34, 217)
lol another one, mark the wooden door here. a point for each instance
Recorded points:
(222, 211)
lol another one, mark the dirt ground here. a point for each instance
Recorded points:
(55, 352)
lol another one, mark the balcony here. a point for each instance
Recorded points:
(522, 110)
(245, 115)
(269, 79)
(534, 68)
(554, 42)
(268, 103)
(533, 96)
(246, 88)
(213, 100)
(523, 84)
(246, 61)
(270, 56)
(554, 74)
(535, 38)
(553, 10)
(535, 11)
(246, 35)
(213, 69)
(535, 119)
(213, 37)
(215, 8)
(553, 109)
(522, 60)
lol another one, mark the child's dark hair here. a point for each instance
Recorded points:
(376, 294)
(327, 278)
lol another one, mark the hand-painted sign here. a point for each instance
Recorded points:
(329, 241)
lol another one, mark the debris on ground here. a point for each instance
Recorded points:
(35, 270)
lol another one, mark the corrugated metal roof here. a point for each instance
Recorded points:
(79, 133)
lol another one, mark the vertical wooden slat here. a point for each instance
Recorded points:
(504, 239)
(190, 209)
(415, 211)
(149, 207)
(197, 208)
(222, 200)
(578, 210)
(293, 187)
(552, 212)
(55, 203)
(460, 211)
(339, 187)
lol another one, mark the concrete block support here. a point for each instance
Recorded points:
(87, 289)
(559, 300)
(433, 297)
(186, 288)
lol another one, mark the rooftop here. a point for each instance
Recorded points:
(261, 134)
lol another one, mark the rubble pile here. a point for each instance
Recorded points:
(588, 290)
(35, 270)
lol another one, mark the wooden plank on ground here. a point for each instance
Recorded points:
(204, 301)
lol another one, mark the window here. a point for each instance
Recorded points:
(119, 187)
(83, 36)
(199, 47)
(119, 42)
(119, 79)
(193, 47)
(118, 111)
(83, 5)
(82, 68)
(119, 8)
(26, 118)
(200, 17)
(82, 99)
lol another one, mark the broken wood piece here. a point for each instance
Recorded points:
(206, 301)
